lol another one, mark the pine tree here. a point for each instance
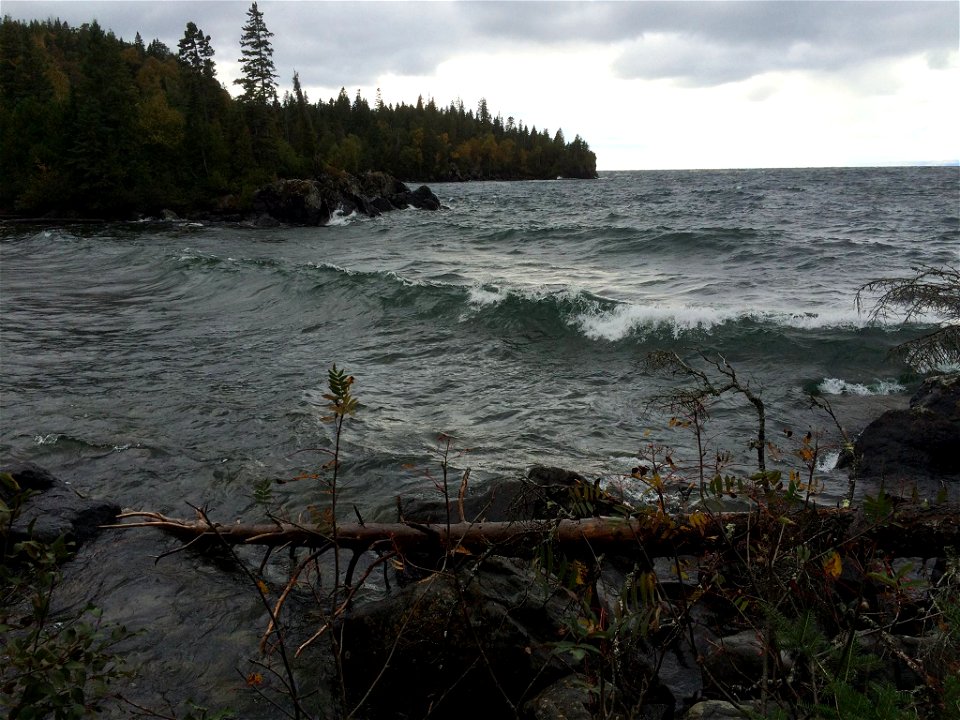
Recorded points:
(196, 52)
(259, 73)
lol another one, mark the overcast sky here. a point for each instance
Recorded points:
(647, 84)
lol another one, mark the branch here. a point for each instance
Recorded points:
(929, 530)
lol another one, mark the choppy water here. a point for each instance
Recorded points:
(185, 362)
(157, 364)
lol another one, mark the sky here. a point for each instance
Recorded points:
(649, 85)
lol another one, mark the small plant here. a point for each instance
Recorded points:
(53, 666)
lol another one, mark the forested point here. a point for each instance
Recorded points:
(92, 125)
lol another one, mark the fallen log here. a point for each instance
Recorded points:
(908, 532)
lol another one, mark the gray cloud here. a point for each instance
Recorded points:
(712, 43)
(692, 43)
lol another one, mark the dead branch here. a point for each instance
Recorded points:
(910, 532)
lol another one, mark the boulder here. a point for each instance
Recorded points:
(569, 698)
(297, 202)
(53, 509)
(718, 710)
(422, 198)
(917, 443)
(475, 640)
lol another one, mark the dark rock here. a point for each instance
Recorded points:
(445, 644)
(737, 660)
(266, 221)
(29, 477)
(381, 185)
(917, 443)
(716, 710)
(422, 198)
(314, 202)
(569, 698)
(546, 492)
(298, 202)
(55, 509)
(383, 204)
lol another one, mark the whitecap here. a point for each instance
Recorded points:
(50, 439)
(339, 218)
(483, 295)
(619, 322)
(838, 386)
(828, 461)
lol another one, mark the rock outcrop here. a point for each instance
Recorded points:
(916, 444)
(315, 202)
(53, 509)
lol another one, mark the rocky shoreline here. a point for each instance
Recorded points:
(304, 202)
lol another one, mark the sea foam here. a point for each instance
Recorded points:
(837, 386)
(622, 320)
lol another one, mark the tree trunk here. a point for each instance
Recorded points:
(907, 532)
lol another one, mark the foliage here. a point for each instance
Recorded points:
(91, 124)
(929, 290)
(53, 666)
(829, 616)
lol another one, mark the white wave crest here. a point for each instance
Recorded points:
(828, 461)
(339, 218)
(50, 439)
(480, 295)
(622, 320)
(837, 386)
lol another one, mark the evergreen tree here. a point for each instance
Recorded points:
(259, 73)
(196, 52)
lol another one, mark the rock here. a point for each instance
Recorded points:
(917, 443)
(422, 198)
(381, 185)
(716, 710)
(169, 215)
(444, 647)
(55, 509)
(569, 698)
(297, 202)
(546, 492)
(314, 202)
(737, 660)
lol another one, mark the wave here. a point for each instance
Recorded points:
(838, 386)
(64, 440)
(550, 309)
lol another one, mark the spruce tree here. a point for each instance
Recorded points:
(259, 73)
(196, 52)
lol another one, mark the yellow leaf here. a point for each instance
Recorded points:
(698, 521)
(263, 587)
(254, 679)
(832, 565)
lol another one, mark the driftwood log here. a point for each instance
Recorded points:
(907, 532)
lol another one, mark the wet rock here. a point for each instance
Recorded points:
(916, 443)
(546, 492)
(297, 202)
(314, 202)
(422, 198)
(54, 509)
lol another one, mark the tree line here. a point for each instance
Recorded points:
(91, 124)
